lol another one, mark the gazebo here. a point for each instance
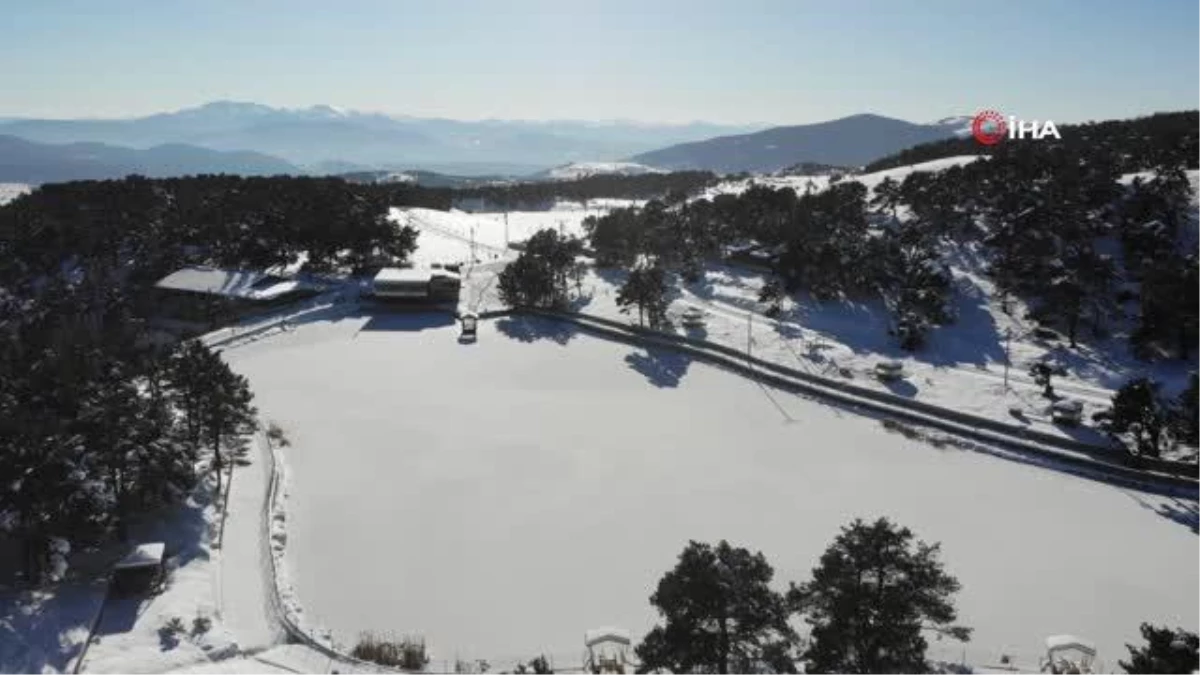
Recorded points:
(1068, 654)
(607, 650)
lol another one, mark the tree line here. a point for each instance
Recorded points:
(542, 194)
(1057, 226)
(99, 425)
(876, 596)
(101, 421)
(823, 242)
(1135, 143)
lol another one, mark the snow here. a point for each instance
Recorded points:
(44, 630)
(10, 191)
(606, 633)
(500, 498)
(577, 170)
(244, 571)
(402, 275)
(446, 236)
(128, 637)
(143, 555)
(820, 182)
(230, 283)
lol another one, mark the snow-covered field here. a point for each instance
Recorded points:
(446, 236)
(577, 170)
(501, 498)
(10, 191)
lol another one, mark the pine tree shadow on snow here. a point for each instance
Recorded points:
(663, 368)
(531, 329)
(1176, 510)
(38, 629)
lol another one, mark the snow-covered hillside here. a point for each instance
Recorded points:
(802, 184)
(962, 367)
(446, 236)
(578, 170)
(10, 191)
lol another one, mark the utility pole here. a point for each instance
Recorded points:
(506, 230)
(749, 333)
(1007, 360)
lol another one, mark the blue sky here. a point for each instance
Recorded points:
(743, 61)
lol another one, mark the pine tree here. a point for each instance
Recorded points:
(1185, 414)
(646, 289)
(1138, 413)
(1165, 651)
(720, 615)
(875, 592)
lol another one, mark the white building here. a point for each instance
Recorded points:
(412, 283)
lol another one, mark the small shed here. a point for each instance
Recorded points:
(140, 571)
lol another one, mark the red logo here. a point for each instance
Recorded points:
(989, 127)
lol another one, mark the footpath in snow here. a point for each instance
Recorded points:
(244, 575)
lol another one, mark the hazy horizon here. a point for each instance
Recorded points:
(756, 63)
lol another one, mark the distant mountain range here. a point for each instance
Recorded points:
(330, 140)
(849, 141)
(254, 139)
(23, 161)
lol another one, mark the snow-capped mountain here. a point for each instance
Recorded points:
(311, 136)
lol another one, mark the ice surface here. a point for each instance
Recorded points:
(503, 497)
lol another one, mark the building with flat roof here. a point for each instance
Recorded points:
(416, 284)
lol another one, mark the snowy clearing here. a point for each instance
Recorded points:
(501, 498)
(10, 191)
(577, 170)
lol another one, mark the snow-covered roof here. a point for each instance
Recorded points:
(229, 283)
(1068, 405)
(233, 283)
(403, 275)
(606, 634)
(276, 290)
(1055, 642)
(143, 555)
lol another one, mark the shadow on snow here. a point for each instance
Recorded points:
(531, 329)
(663, 368)
(408, 321)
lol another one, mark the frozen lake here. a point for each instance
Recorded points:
(501, 498)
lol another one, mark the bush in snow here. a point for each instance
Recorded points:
(201, 625)
(276, 435)
(407, 653)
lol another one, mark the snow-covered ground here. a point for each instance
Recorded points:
(503, 497)
(962, 367)
(10, 191)
(446, 236)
